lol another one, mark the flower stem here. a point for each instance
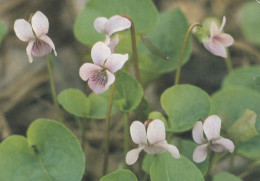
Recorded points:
(126, 133)
(228, 62)
(134, 49)
(178, 72)
(107, 131)
(53, 89)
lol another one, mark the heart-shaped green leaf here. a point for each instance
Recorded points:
(184, 105)
(75, 102)
(230, 103)
(250, 149)
(250, 22)
(244, 128)
(147, 163)
(3, 30)
(49, 153)
(120, 175)
(168, 36)
(225, 176)
(244, 76)
(143, 13)
(165, 168)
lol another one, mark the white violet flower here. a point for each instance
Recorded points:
(215, 142)
(100, 75)
(152, 141)
(35, 33)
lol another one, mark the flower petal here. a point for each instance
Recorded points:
(23, 30)
(197, 133)
(200, 153)
(29, 51)
(226, 144)
(172, 149)
(116, 23)
(113, 43)
(213, 30)
(99, 53)
(40, 48)
(155, 148)
(87, 69)
(100, 81)
(212, 126)
(99, 24)
(116, 62)
(132, 156)
(216, 48)
(222, 24)
(47, 40)
(40, 24)
(156, 131)
(138, 133)
(225, 39)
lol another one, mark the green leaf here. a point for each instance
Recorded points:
(250, 22)
(143, 13)
(225, 176)
(75, 102)
(186, 148)
(250, 149)
(184, 105)
(120, 175)
(244, 128)
(50, 152)
(147, 163)
(230, 103)
(157, 115)
(166, 168)
(168, 36)
(244, 76)
(3, 30)
(129, 92)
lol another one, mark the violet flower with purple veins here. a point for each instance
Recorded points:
(35, 33)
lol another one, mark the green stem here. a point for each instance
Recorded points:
(178, 72)
(228, 62)
(134, 49)
(250, 169)
(107, 131)
(53, 89)
(126, 133)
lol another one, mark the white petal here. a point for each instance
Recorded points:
(225, 39)
(87, 69)
(99, 53)
(47, 40)
(226, 144)
(138, 133)
(197, 133)
(116, 62)
(154, 149)
(213, 30)
(113, 43)
(200, 153)
(172, 149)
(23, 30)
(99, 24)
(116, 23)
(40, 24)
(156, 131)
(216, 48)
(132, 156)
(29, 51)
(40, 48)
(110, 79)
(222, 24)
(211, 127)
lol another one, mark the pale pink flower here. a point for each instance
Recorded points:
(215, 142)
(35, 33)
(100, 75)
(152, 141)
(217, 40)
